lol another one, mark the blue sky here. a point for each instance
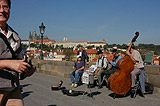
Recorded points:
(116, 21)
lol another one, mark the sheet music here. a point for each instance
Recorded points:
(85, 78)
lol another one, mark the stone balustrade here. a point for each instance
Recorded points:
(63, 68)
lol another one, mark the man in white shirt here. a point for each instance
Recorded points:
(101, 67)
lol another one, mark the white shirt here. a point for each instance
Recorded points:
(10, 38)
(80, 54)
(99, 63)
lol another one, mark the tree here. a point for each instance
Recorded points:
(105, 47)
(61, 47)
(97, 48)
(68, 52)
(79, 45)
(24, 46)
(124, 46)
(56, 47)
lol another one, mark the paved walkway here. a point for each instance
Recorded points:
(37, 92)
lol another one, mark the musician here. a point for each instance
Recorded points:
(83, 54)
(113, 62)
(116, 57)
(101, 67)
(138, 64)
(78, 71)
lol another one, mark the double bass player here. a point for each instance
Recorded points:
(138, 65)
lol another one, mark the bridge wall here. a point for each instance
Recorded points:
(63, 68)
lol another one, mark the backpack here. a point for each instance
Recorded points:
(149, 88)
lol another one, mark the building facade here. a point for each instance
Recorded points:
(74, 44)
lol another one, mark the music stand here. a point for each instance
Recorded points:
(88, 90)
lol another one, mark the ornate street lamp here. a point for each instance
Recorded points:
(42, 30)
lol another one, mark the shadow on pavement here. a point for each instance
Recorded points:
(25, 94)
(94, 94)
(25, 85)
(113, 95)
(52, 105)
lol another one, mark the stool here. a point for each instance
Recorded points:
(138, 87)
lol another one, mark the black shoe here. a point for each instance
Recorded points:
(92, 86)
(99, 86)
(133, 90)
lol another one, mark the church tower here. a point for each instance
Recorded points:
(30, 36)
(34, 35)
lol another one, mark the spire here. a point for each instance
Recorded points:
(30, 36)
(34, 35)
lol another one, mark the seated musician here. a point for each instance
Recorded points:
(101, 67)
(138, 65)
(77, 73)
(113, 62)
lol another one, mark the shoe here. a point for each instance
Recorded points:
(133, 90)
(91, 86)
(99, 86)
(72, 85)
(75, 85)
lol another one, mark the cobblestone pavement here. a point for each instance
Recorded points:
(37, 92)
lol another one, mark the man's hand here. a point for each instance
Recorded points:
(76, 70)
(128, 53)
(18, 65)
(87, 63)
(73, 67)
(98, 69)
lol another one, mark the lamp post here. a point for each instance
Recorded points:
(42, 30)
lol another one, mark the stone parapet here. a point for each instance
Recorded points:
(63, 68)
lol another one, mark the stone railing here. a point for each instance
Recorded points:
(153, 77)
(63, 68)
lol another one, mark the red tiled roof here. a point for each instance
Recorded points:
(96, 42)
(89, 51)
(71, 41)
(36, 51)
(45, 40)
(156, 57)
(95, 59)
(108, 56)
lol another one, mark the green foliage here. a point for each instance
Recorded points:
(90, 47)
(148, 47)
(79, 45)
(97, 48)
(24, 46)
(68, 52)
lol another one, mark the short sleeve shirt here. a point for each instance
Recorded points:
(79, 65)
(137, 56)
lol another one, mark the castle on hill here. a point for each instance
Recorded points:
(33, 36)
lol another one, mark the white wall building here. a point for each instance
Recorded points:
(74, 44)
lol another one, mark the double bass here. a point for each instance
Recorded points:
(120, 82)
